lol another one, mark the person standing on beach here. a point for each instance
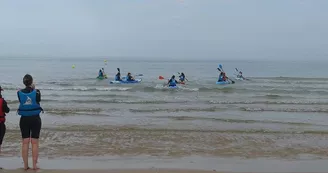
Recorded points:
(30, 121)
(3, 110)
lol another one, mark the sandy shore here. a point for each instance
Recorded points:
(114, 171)
(122, 171)
(147, 164)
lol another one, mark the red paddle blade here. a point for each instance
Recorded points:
(160, 77)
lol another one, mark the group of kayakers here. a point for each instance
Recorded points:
(30, 122)
(172, 81)
(223, 77)
(129, 76)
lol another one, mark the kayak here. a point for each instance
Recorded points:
(173, 87)
(241, 79)
(125, 81)
(102, 77)
(223, 83)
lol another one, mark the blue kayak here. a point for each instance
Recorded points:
(223, 83)
(126, 82)
(173, 86)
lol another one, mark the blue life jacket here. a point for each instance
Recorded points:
(182, 78)
(172, 82)
(100, 73)
(220, 78)
(129, 78)
(28, 105)
(116, 78)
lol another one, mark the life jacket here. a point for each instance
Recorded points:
(220, 78)
(28, 105)
(129, 78)
(172, 82)
(2, 113)
(100, 73)
(182, 78)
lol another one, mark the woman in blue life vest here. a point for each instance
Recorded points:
(3, 110)
(30, 121)
(172, 81)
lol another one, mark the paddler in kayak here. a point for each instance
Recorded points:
(100, 73)
(172, 82)
(129, 77)
(182, 78)
(118, 76)
(240, 75)
(222, 77)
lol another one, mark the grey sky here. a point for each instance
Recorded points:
(224, 29)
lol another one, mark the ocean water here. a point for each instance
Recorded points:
(280, 112)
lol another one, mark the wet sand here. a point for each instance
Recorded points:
(116, 171)
(153, 164)
(123, 171)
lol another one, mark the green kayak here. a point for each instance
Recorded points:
(102, 77)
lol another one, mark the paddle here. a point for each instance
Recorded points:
(104, 74)
(162, 78)
(221, 70)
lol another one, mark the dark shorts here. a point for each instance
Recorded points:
(2, 132)
(30, 126)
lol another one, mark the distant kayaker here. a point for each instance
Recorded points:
(172, 81)
(129, 77)
(222, 77)
(30, 121)
(182, 77)
(3, 110)
(118, 76)
(100, 73)
(240, 75)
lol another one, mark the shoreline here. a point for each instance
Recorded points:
(149, 164)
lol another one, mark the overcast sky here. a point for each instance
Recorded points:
(189, 29)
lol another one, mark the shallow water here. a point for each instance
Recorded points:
(281, 112)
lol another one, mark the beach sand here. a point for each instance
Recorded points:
(121, 171)
(113, 171)
(165, 165)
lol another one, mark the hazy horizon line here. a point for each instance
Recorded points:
(161, 59)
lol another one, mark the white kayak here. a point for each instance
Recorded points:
(125, 81)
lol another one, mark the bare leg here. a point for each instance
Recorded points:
(35, 152)
(25, 146)
(0, 153)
